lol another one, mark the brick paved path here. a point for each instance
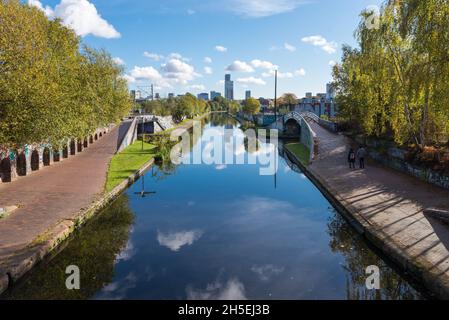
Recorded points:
(53, 194)
(388, 202)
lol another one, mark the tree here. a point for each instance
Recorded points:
(394, 84)
(251, 106)
(50, 90)
(290, 100)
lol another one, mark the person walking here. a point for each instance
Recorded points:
(351, 158)
(361, 154)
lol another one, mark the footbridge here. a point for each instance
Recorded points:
(295, 124)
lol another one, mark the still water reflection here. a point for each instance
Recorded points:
(217, 232)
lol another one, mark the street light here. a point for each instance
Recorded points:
(275, 97)
(143, 129)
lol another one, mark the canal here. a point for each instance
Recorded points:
(216, 232)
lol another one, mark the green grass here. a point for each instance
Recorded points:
(128, 162)
(300, 151)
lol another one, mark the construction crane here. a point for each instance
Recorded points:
(145, 89)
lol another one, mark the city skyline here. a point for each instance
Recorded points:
(189, 46)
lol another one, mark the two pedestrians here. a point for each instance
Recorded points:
(360, 155)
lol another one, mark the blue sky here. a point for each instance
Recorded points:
(166, 42)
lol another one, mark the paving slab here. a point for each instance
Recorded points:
(390, 205)
(48, 197)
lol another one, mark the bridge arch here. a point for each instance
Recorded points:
(72, 147)
(5, 170)
(292, 127)
(65, 151)
(46, 154)
(21, 164)
(34, 160)
(79, 145)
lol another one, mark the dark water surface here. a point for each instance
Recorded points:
(217, 232)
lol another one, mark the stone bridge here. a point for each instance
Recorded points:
(294, 124)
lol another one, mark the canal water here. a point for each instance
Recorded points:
(216, 232)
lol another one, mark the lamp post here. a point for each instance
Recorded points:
(143, 129)
(275, 97)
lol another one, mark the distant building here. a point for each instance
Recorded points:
(229, 87)
(214, 94)
(138, 95)
(203, 96)
(157, 96)
(132, 95)
(171, 95)
(320, 104)
(247, 94)
(330, 91)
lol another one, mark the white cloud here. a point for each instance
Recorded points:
(262, 8)
(289, 47)
(153, 56)
(118, 61)
(178, 71)
(208, 70)
(283, 75)
(239, 66)
(47, 10)
(332, 63)
(300, 72)
(80, 15)
(147, 74)
(221, 49)
(207, 60)
(129, 78)
(231, 290)
(252, 80)
(256, 63)
(319, 41)
(175, 241)
(178, 56)
(191, 12)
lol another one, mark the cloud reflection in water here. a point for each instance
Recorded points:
(175, 241)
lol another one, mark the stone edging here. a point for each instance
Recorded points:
(55, 235)
(418, 268)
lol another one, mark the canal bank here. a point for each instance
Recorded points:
(386, 207)
(19, 263)
(18, 256)
(216, 232)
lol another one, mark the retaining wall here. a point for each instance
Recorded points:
(394, 158)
